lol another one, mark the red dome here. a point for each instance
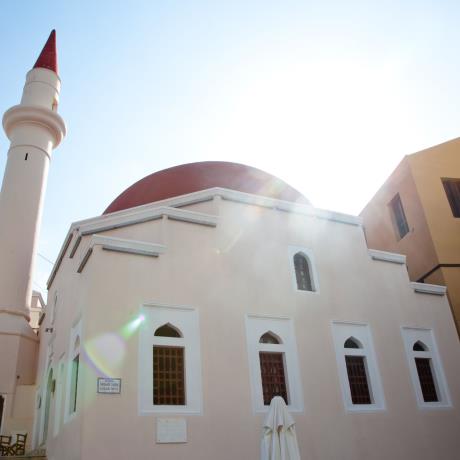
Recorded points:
(193, 177)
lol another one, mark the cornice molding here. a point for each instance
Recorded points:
(120, 245)
(170, 208)
(424, 288)
(387, 256)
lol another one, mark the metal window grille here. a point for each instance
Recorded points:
(426, 379)
(302, 273)
(2, 400)
(357, 378)
(452, 189)
(74, 384)
(399, 216)
(168, 376)
(273, 380)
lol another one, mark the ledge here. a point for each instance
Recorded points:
(35, 114)
(387, 256)
(120, 245)
(424, 288)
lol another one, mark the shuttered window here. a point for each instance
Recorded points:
(452, 188)
(399, 217)
(357, 378)
(168, 376)
(273, 379)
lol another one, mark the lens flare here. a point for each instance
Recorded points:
(129, 329)
(106, 353)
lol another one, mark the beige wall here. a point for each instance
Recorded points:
(381, 232)
(428, 167)
(242, 267)
(434, 238)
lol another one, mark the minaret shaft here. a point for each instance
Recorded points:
(21, 200)
(34, 129)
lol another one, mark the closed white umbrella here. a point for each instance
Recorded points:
(279, 441)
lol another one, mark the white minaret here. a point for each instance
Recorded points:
(34, 129)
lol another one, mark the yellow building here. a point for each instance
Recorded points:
(417, 212)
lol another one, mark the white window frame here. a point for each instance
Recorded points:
(2, 414)
(73, 352)
(282, 327)
(411, 335)
(54, 309)
(37, 418)
(60, 383)
(341, 331)
(185, 319)
(308, 254)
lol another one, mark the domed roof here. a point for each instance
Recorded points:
(193, 177)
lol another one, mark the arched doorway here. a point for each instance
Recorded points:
(49, 390)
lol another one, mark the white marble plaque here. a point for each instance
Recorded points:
(171, 430)
(109, 386)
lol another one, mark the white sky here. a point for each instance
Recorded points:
(329, 95)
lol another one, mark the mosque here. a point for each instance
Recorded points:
(200, 293)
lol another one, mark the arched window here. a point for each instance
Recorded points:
(272, 368)
(2, 402)
(351, 342)
(425, 372)
(169, 380)
(269, 337)
(167, 330)
(359, 377)
(74, 368)
(169, 367)
(419, 346)
(302, 272)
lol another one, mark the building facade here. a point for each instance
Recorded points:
(417, 213)
(206, 289)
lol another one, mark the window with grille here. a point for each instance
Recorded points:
(74, 384)
(357, 378)
(399, 217)
(169, 379)
(273, 379)
(2, 401)
(452, 189)
(425, 376)
(168, 376)
(302, 273)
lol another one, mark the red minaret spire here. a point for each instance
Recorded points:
(48, 56)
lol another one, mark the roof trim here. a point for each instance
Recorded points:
(425, 288)
(120, 245)
(387, 256)
(169, 207)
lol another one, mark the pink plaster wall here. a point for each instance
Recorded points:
(241, 267)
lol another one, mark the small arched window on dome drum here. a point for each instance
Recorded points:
(167, 330)
(269, 337)
(302, 272)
